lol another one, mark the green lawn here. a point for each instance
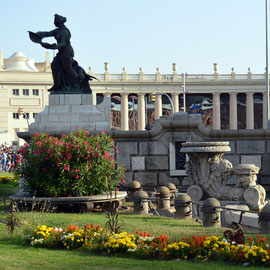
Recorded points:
(5, 174)
(16, 254)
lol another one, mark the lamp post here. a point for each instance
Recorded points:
(183, 86)
(267, 72)
(184, 92)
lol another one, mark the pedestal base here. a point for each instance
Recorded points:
(70, 112)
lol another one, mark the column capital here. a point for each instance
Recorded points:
(141, 94)
(107, 94)
(174, 93)
(233, 94)
(123, 94)
(250, 93)
(216, 94)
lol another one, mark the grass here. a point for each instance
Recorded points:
(15, 253)
(14, 256)
(6, 174)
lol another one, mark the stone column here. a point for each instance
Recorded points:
(264, 110)
(216, 110)
(124, 111)
(94, 98)
(175, 100)
(249, 111)
(158, 106)
(141, 111)
(107, 95)
(233, 110)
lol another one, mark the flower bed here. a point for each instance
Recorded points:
(144, 245)
(8, 180)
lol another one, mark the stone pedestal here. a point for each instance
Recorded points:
(69, 112)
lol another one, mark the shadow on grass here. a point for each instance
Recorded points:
(171, 222)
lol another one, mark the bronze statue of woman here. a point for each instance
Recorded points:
(68, 76)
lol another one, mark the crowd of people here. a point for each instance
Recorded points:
(8, 158)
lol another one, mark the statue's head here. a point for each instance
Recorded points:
(59, 20)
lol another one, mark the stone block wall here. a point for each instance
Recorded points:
(149, 156)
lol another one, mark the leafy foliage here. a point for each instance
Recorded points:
(74, 165)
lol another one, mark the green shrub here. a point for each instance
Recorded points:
(73, 165)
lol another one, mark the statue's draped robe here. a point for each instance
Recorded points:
(67, 75)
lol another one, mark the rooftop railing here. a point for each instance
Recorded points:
(178, 77)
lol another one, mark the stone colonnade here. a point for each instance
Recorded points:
(175, 101)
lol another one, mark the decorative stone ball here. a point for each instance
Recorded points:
(172, 187)
(134, 185)
(266, 209)
(164, 191)
(182, 197)
(211, 202)
(139, 195)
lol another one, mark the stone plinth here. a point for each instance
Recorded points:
(69, 112)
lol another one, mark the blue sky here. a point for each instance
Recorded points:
(145, 33)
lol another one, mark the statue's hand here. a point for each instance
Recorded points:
(48, 45)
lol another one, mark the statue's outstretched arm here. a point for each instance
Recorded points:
(46, 34)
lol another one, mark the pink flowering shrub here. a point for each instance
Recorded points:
(74, 165)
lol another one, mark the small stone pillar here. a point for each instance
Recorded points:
(132, 188)
(183, 206)
(107, 74)
(211, 213)
(124, 74)
(141, 74)
(140, 199)
(2, 66)
(174, 67)
(215, 71)
(264, 219)
(164, 198)
(173, 191)
(249, 74)
(158, 77)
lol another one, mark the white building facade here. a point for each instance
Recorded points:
(226, 101)
(22, 85)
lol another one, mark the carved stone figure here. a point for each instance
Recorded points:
(68, 76)
(210, 173)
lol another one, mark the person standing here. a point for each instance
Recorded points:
(4, 161)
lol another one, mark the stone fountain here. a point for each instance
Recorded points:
(210, 173)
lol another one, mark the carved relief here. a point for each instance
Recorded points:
(210, 173)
